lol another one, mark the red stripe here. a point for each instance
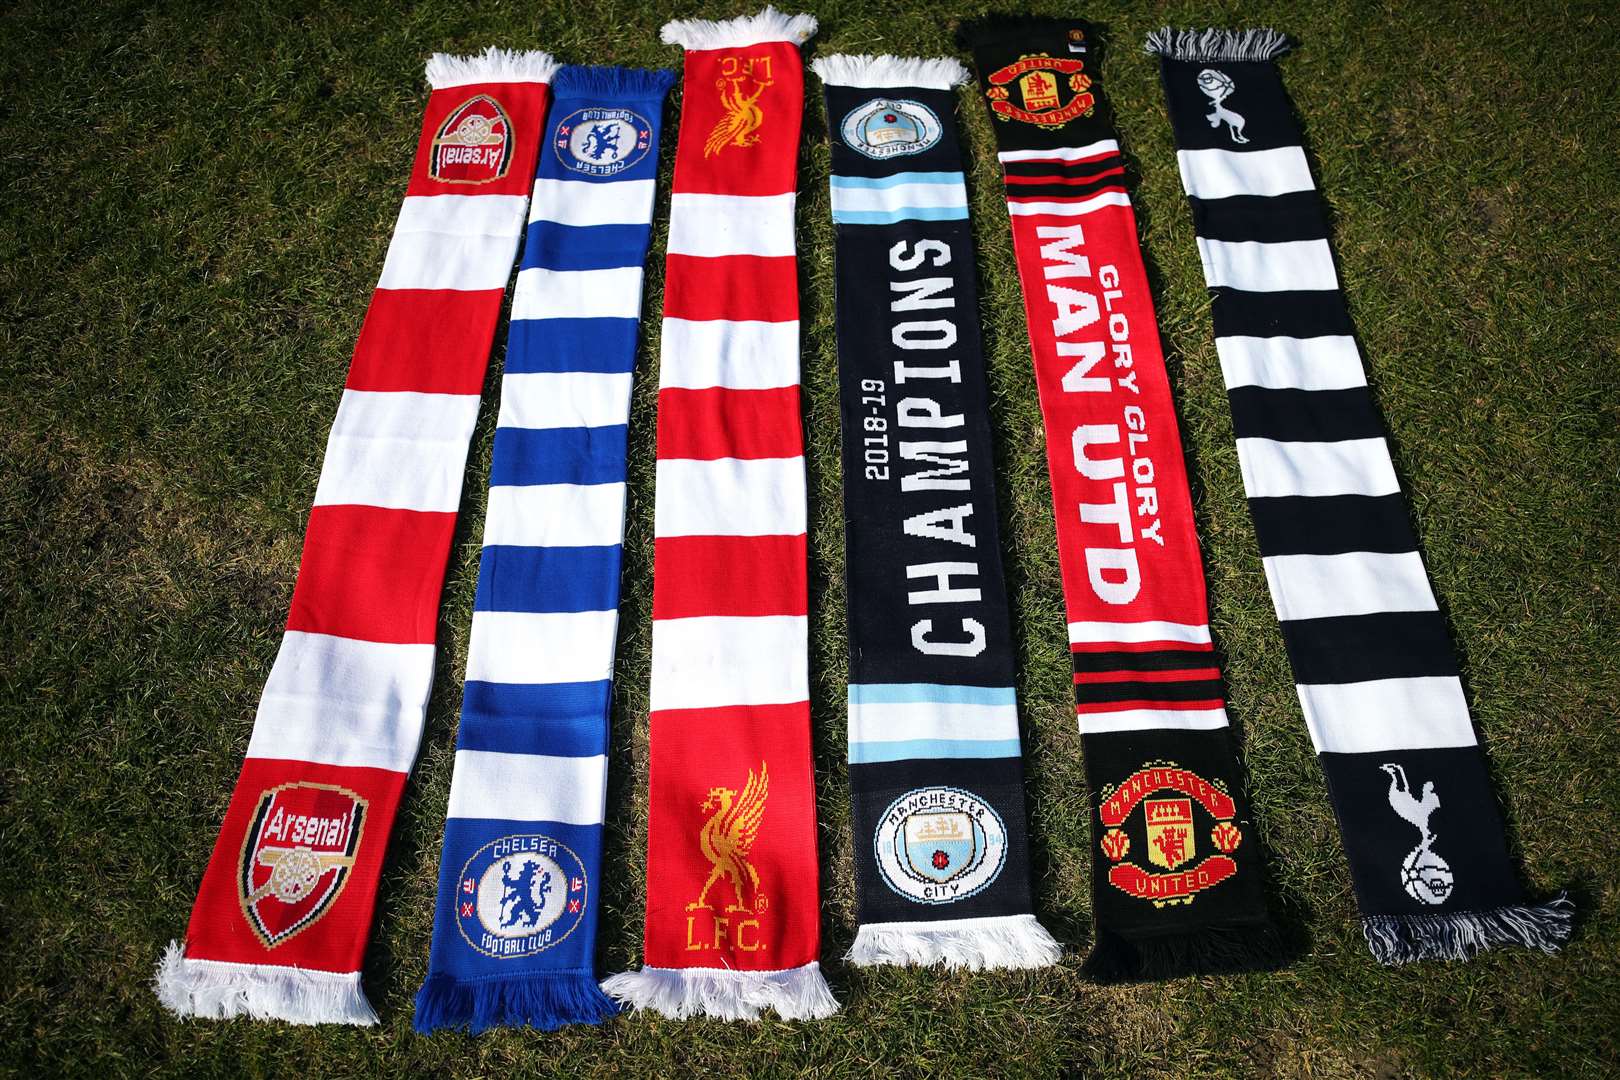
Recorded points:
(719, 423)
(1055, 179)
(432, 341)
(372, 574)
(1158, 706)
(729, 575)
(737, 287)
(1181, 675)
(1061, 160)
(1141, 646)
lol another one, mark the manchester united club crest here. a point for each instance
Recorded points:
(520, 895)
(1044, 90)
(938, 845)
(473, 145)
(1181, 812)
(297, 856)
(601, 142)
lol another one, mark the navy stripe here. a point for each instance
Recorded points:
(593, 455)
(1065, 191)
(1065, 169)
(514, 578)
(1184, 690)
(603, 346)
(1360, 648)
(1268, 218)
(584, 247)
(1304, 415)
(558, 719)
(1279, 314)
(1158, 660)
(1332, 524)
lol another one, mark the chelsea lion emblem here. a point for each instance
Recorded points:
(937, 845)
(520, 895)
(601, 142)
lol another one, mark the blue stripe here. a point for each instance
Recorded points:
(512, 578)
(923, 749)
(584, 247)
(562, 719)
(594, 455)
(604, 346)
(904, 213)
(900, 693)
(896, 180)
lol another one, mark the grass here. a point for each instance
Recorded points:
(196, 203)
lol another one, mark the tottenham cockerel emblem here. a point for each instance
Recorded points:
(1424, 875)
(1218, 86)
(742, 80)
(727, 838)
(297, 856)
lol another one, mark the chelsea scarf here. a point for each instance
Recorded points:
(733, 918)
(1175, 875)
(515, 928)
(286, 903)
(1371, 655)
(935, 767)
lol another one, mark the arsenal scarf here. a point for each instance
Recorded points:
(1371, 655)
(286, 903)
(733, 919)
(515, 927)
(1175, 881)
(935, 765)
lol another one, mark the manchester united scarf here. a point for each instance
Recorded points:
(515, 927)
(1175, 881)
(733, 919)
(286, 903)
(935, 765)
(1371, 655)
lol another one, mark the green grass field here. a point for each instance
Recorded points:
(196, 205)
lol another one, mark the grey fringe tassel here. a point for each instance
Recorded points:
(1401, 939)
(1215, 46)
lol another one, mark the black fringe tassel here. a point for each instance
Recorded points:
(1209, 950)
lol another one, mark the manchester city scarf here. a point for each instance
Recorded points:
(733, 918)
(1372, 658)
(935, 765)
(1175, 876)
(286, 903)
(515, 927)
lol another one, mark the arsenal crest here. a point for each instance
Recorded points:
(1043, 90)
(937, 845)
(297, 856)
(473, 145)
(1181, 811)
(520, 895)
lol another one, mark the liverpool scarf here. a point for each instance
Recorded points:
(935, 766)
(733, 919)
(1175, 881)
(515, 928)
(1371, 655)
(285, 905)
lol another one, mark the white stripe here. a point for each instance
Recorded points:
(743, 355)
(1387, 714)
(555, 515)
(560, 399)
(730, 497)
(715, 225)
(1348, 467)
(396, 449)
(1088, 633)
(1063, 153)
(898, 197)
(466, 215)
(899, 721)
(1354, 583)
(1256, 266)
(582, 202)
(1099, 723)
(541, 647)
(424, 260)
(1331, 362)
(718, 660)
(528, 787)
(578, 294)
(1220, 174)
(1069, 209)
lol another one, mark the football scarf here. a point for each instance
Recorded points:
(733, 918)
(1175, 875)
(935, 765)
(286, 903)
(1371, 656)
(515, 927)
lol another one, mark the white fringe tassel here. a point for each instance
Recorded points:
(681, 993)
(875, 72)
(1401, 939)
(1010, 941)
(215, 990)
(491, 66)
(768, 25)
(1216, 46)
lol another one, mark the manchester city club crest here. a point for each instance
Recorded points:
(937, 845)
(520, 895)
(601, 142)
(891, 127)
(297, 856)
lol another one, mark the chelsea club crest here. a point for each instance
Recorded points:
(891, 127)
(937, 845)
(520, 895)
(601, 142)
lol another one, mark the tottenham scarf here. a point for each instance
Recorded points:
(515, 928)
(733, 919)
(1371, 655)
(935, 766)
(1175, 882)
(286, 903)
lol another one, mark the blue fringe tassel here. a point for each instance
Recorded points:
(579, 80)
(1401, 939)
(545, 1002)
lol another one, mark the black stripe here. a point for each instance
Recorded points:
(1159, 660)
(1332, 524)
(1304, 415)
(1358, 648)
(1269, 218)
(1186, 690)
(1064, 191)
(1312, 313)
(1071, 169)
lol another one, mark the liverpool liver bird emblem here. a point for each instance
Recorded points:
(727, 837)
(743, 117)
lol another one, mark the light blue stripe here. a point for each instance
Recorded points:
(905, 749)
(901, 693)
(897, 179)
(905, 213)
